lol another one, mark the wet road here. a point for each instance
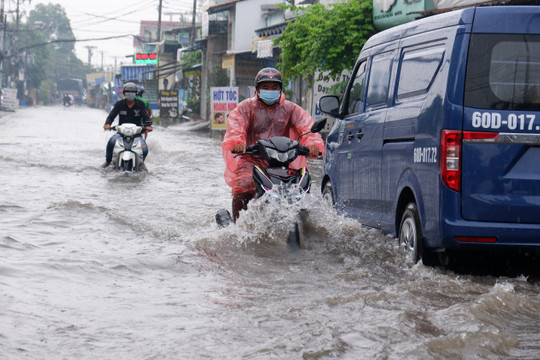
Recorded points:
(97, 266)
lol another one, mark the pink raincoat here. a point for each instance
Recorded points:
(252, 120)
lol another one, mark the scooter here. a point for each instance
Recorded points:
(67, 101)
(277, 180)
(127, 151)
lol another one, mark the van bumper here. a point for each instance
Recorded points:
(462, 234)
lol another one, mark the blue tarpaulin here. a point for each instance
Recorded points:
(136, 72)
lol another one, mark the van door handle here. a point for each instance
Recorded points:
(350, 136)
(359, 134)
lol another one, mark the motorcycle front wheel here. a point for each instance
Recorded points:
(127, 165)
(294, 239)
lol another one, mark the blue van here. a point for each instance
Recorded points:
(437, 137)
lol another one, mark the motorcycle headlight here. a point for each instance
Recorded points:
(280, 156)
(120, 142)
(128, 131)
(291, 154)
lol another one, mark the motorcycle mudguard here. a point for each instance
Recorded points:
(128, 155)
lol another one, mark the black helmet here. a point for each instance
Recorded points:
(268, 74)
(140, 90)
(129, 87)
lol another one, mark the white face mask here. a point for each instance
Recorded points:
(130, 96)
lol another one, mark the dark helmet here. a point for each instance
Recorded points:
(268, 74)
(129, 87)
(140, 90)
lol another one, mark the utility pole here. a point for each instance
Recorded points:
(2, 35)
(159, 23)
(89, 48)
(156, 74)
(15, 40)
(192, 40)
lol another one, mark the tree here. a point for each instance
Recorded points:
(53, 23)
(325, 39)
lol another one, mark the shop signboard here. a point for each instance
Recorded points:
(168, 104)
(223, 101)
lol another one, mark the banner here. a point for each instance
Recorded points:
(322, 87)
(223, 101)
(265, 48)
(168, 104)
(227, 61)
(9, 99)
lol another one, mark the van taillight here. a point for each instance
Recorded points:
(451, 159)
(476, 239)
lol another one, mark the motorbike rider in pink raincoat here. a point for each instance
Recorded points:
(263, 116)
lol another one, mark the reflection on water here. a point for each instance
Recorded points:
(96, 265)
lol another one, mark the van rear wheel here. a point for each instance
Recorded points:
(410, 233)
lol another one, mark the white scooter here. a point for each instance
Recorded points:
(128, 151)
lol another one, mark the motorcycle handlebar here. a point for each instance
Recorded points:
(114, 128)
(253, 150)
(303, 150)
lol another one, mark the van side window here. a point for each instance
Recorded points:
(379, 80)
(503, 72)
(419, 69)
(356, 103)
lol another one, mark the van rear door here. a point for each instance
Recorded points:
(501, 138)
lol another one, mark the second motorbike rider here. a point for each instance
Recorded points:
(129, 110)
(263, 116)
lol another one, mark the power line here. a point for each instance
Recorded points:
(74, 40)
(114, 18)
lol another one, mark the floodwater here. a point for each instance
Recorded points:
(98, 266)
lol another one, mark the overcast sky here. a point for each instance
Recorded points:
(91, 19)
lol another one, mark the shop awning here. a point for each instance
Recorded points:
(222, 7)
(136, 72)
(273, 30)
(198, 45)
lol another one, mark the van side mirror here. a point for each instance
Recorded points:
(329, 104)
(318, 125)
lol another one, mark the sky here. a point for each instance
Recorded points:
(91, 19)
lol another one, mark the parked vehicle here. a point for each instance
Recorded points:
(277, 180)
(437, 137)
(128, 152)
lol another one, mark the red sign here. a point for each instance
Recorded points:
(146, 58)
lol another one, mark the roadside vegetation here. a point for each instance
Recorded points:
(324, 39)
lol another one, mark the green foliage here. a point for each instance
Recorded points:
(194, 104)
(45, 92)
(338, 89)
(52, 21)
(191, 58)
(44, 47)
(52, 24)
(325, 39)
(36, 58)
(219, 77)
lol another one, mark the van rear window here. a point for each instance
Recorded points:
(503, 72)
